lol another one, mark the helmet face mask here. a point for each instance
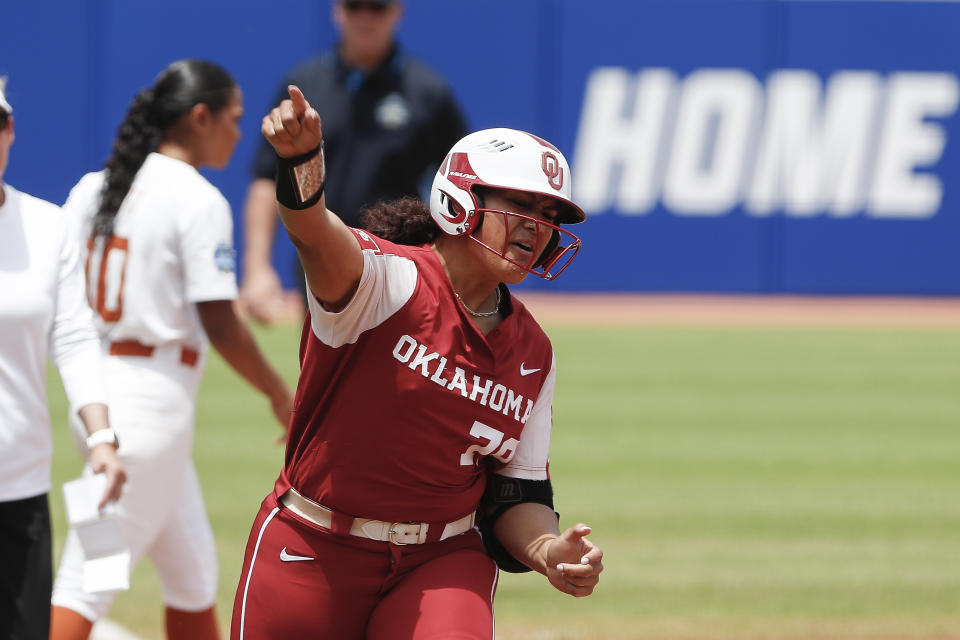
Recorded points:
(559, 251)
(507, 159)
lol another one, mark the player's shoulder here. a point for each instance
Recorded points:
(91, 180)
(45, 225)
(210, 192)
(87, 189)
(374, 243)
(34, 207)
(161, 172)
(412, 262)
(421, 256)
(204, 197)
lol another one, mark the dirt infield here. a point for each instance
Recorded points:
(742, 310)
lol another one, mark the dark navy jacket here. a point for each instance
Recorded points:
(384, 133)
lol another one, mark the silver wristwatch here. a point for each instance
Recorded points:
(103, 436)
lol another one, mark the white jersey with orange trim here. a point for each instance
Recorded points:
(171, 247)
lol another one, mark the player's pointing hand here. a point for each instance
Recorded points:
(574, 563)
(292, 127)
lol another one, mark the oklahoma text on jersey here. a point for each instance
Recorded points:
(498, 397)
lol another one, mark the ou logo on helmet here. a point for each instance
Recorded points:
(553, 170)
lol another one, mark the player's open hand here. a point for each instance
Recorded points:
(574, 563)
(292, 127)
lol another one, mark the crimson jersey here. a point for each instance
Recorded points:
(403, 406)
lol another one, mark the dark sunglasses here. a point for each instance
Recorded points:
(357, 5)
(4, 119)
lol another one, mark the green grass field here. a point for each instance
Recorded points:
(744, 483)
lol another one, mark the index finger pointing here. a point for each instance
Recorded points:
(296, 96)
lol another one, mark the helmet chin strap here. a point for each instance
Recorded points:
(478, 210)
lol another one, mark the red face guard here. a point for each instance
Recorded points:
(560, 250)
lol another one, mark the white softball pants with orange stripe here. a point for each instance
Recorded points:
(161, 512)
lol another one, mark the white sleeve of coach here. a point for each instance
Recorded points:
(74, 343)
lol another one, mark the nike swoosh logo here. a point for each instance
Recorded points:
(286, 557)
(525, 372)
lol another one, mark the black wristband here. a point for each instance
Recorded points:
(503, 493)
(300, 179)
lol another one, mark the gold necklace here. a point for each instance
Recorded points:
(480, 314)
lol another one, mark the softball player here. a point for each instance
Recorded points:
(160, 277)
(424, 401)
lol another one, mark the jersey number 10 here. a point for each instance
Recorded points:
(106, 267)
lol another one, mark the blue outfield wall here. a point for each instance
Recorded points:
(718, 145)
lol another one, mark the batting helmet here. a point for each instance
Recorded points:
(507, 159)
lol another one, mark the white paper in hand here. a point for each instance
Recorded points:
(82, 496)
(107, 559)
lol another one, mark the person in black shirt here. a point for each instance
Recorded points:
(388, 120)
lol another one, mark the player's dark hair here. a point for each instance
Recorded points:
(181, 86)
(404, 221)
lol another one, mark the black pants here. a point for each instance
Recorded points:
(26, 569)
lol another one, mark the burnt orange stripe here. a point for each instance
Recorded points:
(189, 356)
(130, 348)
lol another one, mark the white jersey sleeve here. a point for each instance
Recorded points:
(533, 453)
(74, 343)
(207, 253)
(387, 283)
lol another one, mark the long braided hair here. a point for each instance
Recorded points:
(181, 86)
